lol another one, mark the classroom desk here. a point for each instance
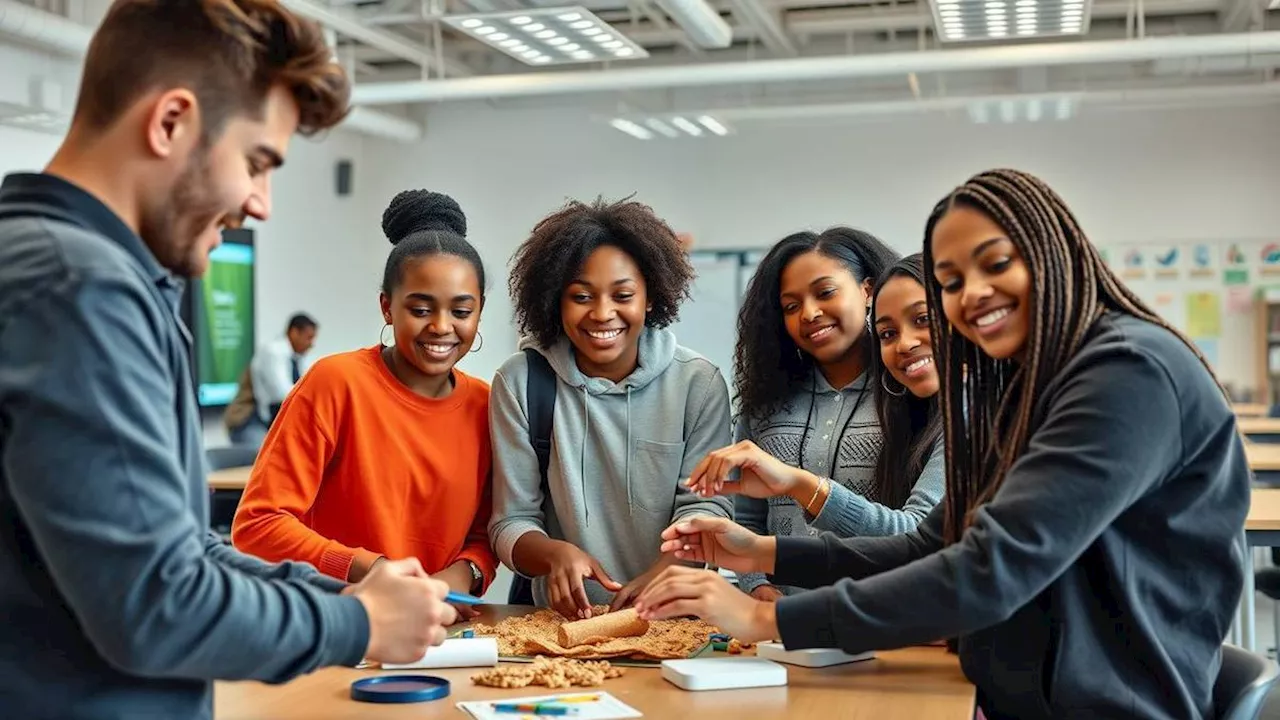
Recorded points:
(1250, 410)
(1259, 429)
(230, 478)
(920, 683)
(1261, 529)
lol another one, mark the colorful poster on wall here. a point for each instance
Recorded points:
(1166, 261)
(1239, 300)
(1204, 315)
(1168, 305)
(1134, 264)
(1203, 261)
(1269, 260)
(1235, 263)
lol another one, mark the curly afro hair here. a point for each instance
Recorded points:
(545, 264)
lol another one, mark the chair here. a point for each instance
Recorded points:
(223, 503)
(1243, 683)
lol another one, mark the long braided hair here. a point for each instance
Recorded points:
(1071, 287)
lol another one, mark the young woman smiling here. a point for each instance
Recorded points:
(910, 471)
(1096, 486)
(805, 391)
(594, 288)
(384, 452)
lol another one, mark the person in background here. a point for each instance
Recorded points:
(910, 473)
(594, 288)
(805, 392)
(1087, 552)
(275, 369)
(118, 601)
(384, 452)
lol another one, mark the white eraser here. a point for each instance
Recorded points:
(455, 653)
(812, 657)
(723, 673)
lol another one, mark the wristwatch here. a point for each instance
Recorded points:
(477, 577)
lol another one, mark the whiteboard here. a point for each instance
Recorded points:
(708, 321)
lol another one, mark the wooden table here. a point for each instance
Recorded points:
(919, 683)
(230, 478)
(1250, 410)
(1261, 529)
(1263, 429)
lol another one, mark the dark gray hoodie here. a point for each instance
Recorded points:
(619, 452)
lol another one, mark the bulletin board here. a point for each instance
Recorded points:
(1207, 290)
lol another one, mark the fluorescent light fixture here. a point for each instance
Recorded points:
(548, 36)
(957, 20)
(662, 128)
(714, 125)
(688, 126)
(701, 22)
(630, 128)
(672, 127)
(1022, 109)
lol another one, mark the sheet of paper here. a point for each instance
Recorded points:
(1204, 315)
(606, 707)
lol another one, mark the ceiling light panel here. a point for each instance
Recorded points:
(549, 36)
(673, 127)
(988, 20)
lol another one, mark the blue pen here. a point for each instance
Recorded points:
(462, 599)
(533, 708)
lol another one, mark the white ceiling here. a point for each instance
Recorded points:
(829, 56)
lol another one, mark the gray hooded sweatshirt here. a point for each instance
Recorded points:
(619, 452)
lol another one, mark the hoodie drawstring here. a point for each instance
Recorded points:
(629, 512)
(582, 461)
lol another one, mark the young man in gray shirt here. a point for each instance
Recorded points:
(117, 600)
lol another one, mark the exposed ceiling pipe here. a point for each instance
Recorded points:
(820, 68)
(1259, 92)
(43, 28)
(388, 42)
(55, 32)
(825, 22)
(768, 22)
(699, 21)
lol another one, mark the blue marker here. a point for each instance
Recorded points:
(462, 599)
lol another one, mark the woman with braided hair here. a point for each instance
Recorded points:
(1086, 553)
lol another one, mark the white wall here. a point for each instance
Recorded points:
(1131, 176)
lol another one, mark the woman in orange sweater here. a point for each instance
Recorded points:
(384, 452)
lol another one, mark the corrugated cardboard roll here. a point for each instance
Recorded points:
(625, 623)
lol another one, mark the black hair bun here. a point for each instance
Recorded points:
(415, 211)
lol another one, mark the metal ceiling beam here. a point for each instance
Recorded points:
(768, 23)
(823, 68)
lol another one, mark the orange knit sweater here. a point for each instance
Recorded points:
(356, 466)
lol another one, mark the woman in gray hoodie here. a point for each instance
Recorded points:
(594, 288)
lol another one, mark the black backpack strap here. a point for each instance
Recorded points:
(540, 396)
(540, 399)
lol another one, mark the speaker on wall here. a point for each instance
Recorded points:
(344, 178)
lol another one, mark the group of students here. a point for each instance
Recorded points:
(992, 440)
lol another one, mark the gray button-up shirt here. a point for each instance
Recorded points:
(117, 601)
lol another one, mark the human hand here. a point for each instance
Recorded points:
(458, 576)
(632, 590)
(761, 475)
(565, 591)
(406, 608)
(680, 591)
(720, 542)
(766, 593)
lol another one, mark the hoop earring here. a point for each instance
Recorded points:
(884, 384)
(382, 332)
(478, 348)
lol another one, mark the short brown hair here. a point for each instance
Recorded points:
(229, 53)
